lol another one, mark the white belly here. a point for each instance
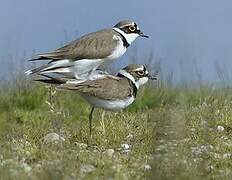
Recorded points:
(81, 68)
(109, 105)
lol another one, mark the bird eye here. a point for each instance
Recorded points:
(132, 28)
(140, 73)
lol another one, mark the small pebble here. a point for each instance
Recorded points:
(109, 152)
(129, 136)
(147, 167)
(87, 168)
(220, 128)
(125, 148)
(226, 156)
(53, 138)
(26, 167)
(81, 145)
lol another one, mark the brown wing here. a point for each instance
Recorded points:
(108, 89)
(91, 46)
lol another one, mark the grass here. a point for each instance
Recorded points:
(171, 133)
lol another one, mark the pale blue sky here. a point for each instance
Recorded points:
(180, 30)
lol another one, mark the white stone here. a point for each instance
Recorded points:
(220, 128)
(53, 138)
(26, 167)
(81, 145)
(125, 148)
(226, 156)
(129, 136)
(109, 152)
(87, 168)
(147, 167)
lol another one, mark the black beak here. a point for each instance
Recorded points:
(143, 35)
(155, 77)
(152, 77)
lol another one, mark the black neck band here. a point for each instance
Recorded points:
(135, 90)
(125, 43)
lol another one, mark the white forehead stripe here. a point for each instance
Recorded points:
(139, 69)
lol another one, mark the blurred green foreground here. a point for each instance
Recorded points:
(168, 133)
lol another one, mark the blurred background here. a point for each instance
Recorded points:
(190, 41)
(180, 129)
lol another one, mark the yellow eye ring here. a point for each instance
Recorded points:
(132, 28)
(141, 73)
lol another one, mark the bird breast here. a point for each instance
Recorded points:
(119, 50)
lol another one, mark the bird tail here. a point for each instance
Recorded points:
(59, 81)
(62, 66)
(50, 80)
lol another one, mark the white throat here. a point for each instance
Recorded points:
(129, 37)
(129, 76)
(141, 81)
(138, 83)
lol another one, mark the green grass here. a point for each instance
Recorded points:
(172, 134)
